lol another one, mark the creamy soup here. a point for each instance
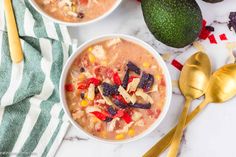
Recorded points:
(75, 10)
(115, 89)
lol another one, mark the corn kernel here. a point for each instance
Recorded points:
(95, 120)
(131, 132)
(146, 65)
(158, 77)
(73, 8)
(119, 136)
(81, 77)
(91, 58)
(84, 103)
(90, 49)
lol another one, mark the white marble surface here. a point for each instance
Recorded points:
(211, 134)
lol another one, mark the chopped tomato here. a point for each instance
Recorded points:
(99, 115)
(106, 113)
(127, 118)
(109, 72)
(119, 113)
(85, 84)
(103, 71)
(69, 87)
(82, 85)
(116, 79)
(150, 112)
(94, 81)
(98, 96)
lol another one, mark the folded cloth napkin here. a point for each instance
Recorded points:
(32, 121)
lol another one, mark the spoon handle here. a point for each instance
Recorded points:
(174, 147)
(164, 143)
(13, 37)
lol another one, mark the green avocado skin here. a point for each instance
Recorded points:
(176, 23)
(213, 1)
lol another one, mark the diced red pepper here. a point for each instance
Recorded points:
(223, 37)
(69, 87)
(131, 78)
(85, 84)
(119, 113)
(94, 81)
(204, 22)
(106, 113)
(204, 33)
(99, 115)
(127, 118)
(177, 64)
(212, 39)
(120, 98)
(82, 85)
(116, 79)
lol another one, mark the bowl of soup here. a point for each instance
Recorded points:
(75, 12)
(115, 88)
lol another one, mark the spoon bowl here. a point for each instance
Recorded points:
(222, 85)
(193, 83)
(195, 75)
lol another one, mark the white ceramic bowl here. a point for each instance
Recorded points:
(134, 40)
(36, 7)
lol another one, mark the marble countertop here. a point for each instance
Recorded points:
(212, 133)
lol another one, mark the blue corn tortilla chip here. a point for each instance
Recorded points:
(120, 104)
(143, 80)
(149, 83)
(111, 111)
(146, 81)
(141, 106)
(132, 67)
(125, 80)
(232, 22)
(109, 90)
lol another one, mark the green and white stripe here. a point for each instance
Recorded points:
(31, 115)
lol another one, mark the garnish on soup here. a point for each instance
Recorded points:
(109, 92)
(75, 10)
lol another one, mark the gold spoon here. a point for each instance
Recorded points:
(222, 87)
(13, 37)
(193, 81)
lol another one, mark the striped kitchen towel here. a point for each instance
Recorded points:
(32, 122)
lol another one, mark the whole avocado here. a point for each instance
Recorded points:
(213, 1)
(176, 23)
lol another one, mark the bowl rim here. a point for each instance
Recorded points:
(151, 50)
(74, 24)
